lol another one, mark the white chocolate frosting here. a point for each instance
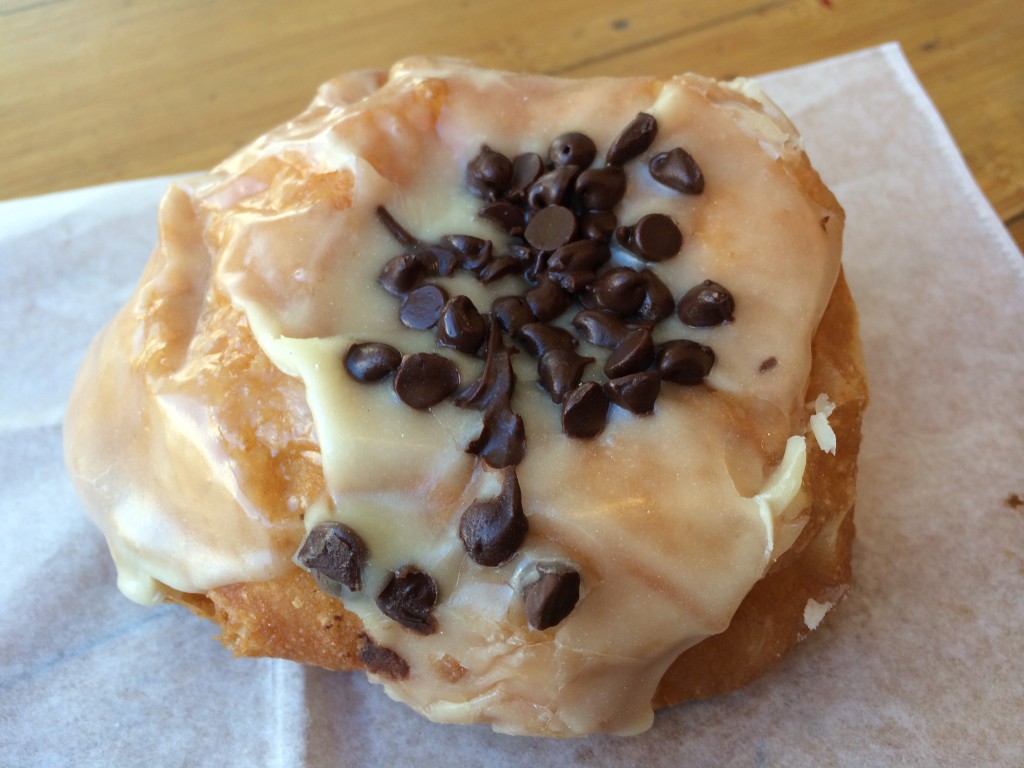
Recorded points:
(670, 518)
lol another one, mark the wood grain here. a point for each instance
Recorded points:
(114, 89)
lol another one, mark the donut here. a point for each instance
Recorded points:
(538, 399)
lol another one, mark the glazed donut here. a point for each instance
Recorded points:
(539, 399)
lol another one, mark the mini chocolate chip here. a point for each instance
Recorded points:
(382, 661)
(547, 300)
(655, 237)
(560, 371)
(400, 274)
(537, 263)
(474, 251)
(461, 326)
(600, 189)
(552, 188)
(574, 282)
(677, 170)
(685, 362)
(526, 169)
(422, 307)
(396, 230)
(572, 149)
(598, 225)
(620, 290)
(636, 392)
(408, 598)
(488, 174)
(438, 259)
(585, 410)
(493, 530)
(579, 256)
(550, 228)
(425, 379)
(505, 215)
(599, 327)
(539, 338)
(499, 267)
(658, 302)
(502, 439)
(551, 598)
(371, 361)
(522, 252)
(512, 313)
(334, 552)
(633, 354)
(705, 305)
(634, 139)
(768, 364)
(497, 381)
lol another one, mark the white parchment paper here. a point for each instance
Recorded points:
(922, 665)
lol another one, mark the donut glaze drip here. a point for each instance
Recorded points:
(214, 423)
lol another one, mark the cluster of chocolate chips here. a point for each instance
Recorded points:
(559, 215)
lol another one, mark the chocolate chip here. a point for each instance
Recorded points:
(502, 439)
(493, 530)
(574, 282)
(497, 381)
(488, 174)
(422, 307)
(550, 228)
(396, 230)
(636, 392)
(474, 251)
(601, 328)
(438, 259)
(634, 140)
(334, 552)
(461, 326)
(600, 189)
(547, 300)
(499, 267)
(560, 371)
(526, 169)
(425, 379)
(552, 188)
(655, 237)
(382, 661)
(579, 256)
(685, 362)
(539, 338)
(505, 215)
(633, 354)
(705, 305)
(620, 290)
(598, 225)
(585, 410)
(658, 302)
(677, 170)
(551, 598)
(572, 149)
(408, 598)
(768, 364)
(371, 361)
(512, 313)
(400, 274)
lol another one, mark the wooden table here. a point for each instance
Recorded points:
(98, 90)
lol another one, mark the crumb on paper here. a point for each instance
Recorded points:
(823, 433)
(814, 612)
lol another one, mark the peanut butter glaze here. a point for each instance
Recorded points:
(669, 518)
